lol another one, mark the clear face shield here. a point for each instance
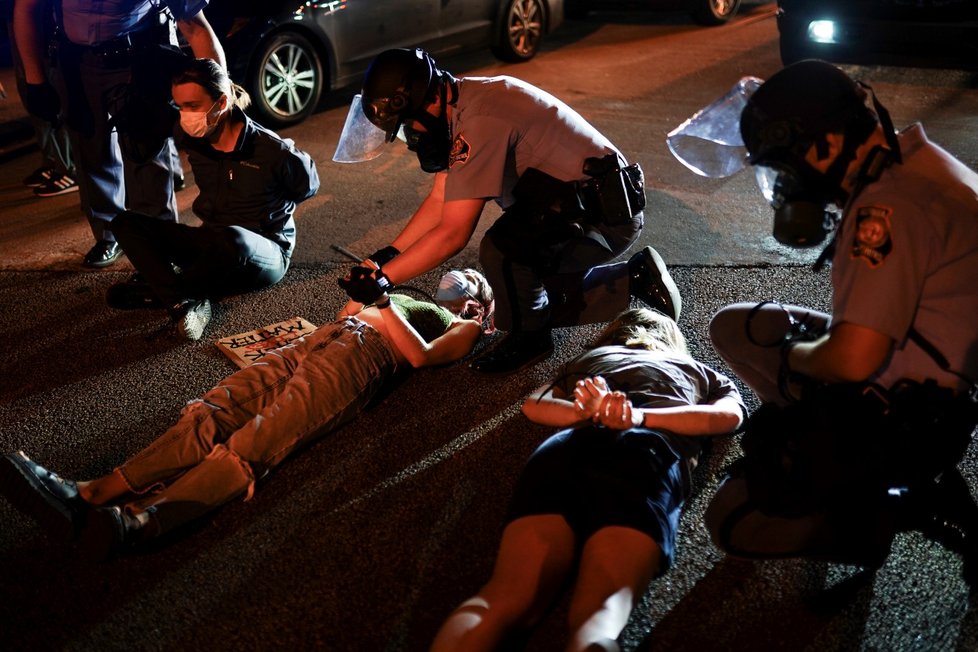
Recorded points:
(361, 140)
(709, 143)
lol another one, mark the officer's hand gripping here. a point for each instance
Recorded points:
(362, 286)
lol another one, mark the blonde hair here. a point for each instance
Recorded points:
(480, 304)
(214, 79)
(642, 328)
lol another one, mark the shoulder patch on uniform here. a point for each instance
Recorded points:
(460, 151)
(872, 239)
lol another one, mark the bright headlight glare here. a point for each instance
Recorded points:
(822, 31)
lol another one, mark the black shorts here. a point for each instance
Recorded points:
(597, 477)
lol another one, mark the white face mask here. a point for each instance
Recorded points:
(194, 123)
(454, 286)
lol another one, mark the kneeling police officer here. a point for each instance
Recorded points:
(897, 217)
(571, 202)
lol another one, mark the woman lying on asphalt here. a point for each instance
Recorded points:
(604, 495)
(246, 425)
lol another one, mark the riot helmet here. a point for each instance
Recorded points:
(398, 87)
(789, 114)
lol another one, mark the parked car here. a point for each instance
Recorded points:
(287, 53)
(704, 12)
(923, 33)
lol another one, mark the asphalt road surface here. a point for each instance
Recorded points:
(366, 540)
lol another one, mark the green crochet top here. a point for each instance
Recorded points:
(428, 319)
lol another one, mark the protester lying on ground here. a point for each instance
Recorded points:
(600, 500)
(241, 429)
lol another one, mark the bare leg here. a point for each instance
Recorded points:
(103, 490)
(535, 554)
(617, 564)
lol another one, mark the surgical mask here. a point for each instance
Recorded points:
(453, 286)
(195, 124)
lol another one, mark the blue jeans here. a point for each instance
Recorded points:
(108, 182)
(246, 425)
(214, 261)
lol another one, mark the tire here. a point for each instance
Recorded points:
(286, 81)
(521, 28)
(713, 12)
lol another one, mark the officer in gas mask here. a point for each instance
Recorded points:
(571, 201)
(898, 218)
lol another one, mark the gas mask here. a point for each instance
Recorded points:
(805, 208)
(773, 126)
(433, 145)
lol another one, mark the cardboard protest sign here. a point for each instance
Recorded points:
(245, 348)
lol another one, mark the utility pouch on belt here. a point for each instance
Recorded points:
(615, 192)
(538, 192)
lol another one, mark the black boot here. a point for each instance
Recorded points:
(49, 499)
(517, 350)
(108, 532)
(649, 281)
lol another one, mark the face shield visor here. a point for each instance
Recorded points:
(709, 143)
(361, 140)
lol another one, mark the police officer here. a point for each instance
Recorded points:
(107, 53)
(571, 203)
(904, 254)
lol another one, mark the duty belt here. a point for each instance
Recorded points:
(117, 52)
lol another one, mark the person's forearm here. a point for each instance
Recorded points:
(847, 353)
(404, 338)
(549, 411)
(714, 419)
(202, 39)
(422, 257)
(425, 218)
(29, 39)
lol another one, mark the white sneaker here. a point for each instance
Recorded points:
(191, 317)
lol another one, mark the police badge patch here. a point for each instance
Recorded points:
(872, 242)
(460, 151)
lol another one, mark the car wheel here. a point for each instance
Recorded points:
(521, 30)
(713, 12)
(287, 80)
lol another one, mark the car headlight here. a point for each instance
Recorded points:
(822, 31)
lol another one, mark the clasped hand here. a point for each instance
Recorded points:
(364, 285)
(594, 400)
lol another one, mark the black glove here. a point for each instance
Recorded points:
(361, 286)
(383, 256)
(42, 100)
